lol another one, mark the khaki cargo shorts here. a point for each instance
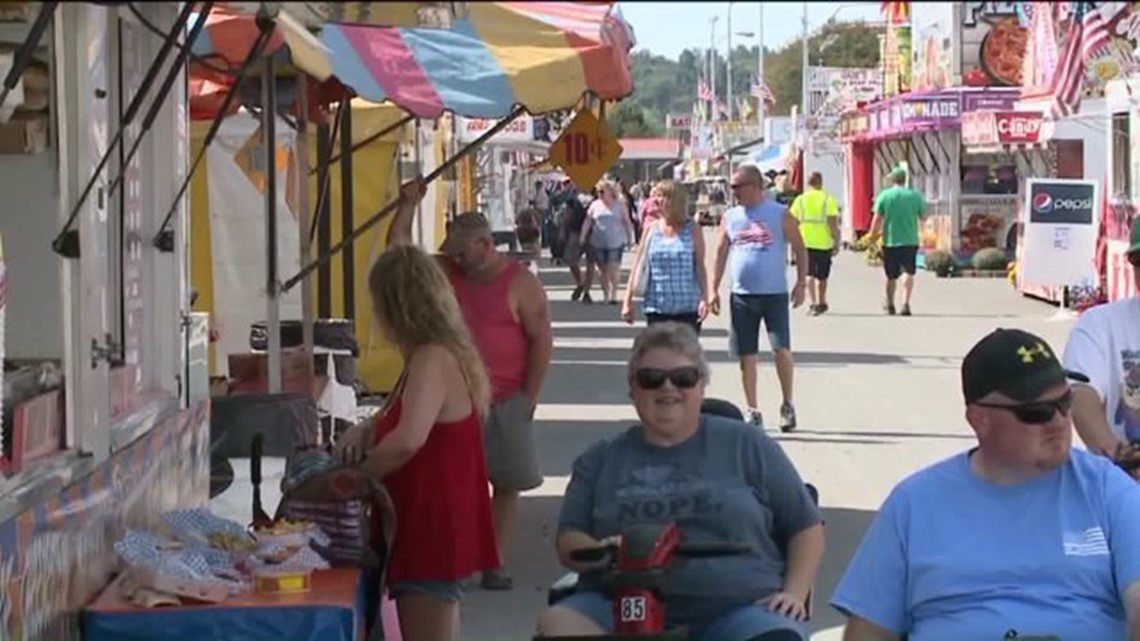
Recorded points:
(508, 440)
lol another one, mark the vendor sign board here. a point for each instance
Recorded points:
(1062, 219)
(585, 150)
(678, 122)
(521, 129)
(993, 128)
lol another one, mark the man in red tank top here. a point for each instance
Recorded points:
(508, 314)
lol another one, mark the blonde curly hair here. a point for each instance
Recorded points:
(413, 296)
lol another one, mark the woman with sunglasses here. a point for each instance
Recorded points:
(718, 479)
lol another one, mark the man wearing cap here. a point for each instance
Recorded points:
(898, 210)
(1020, 537)
(506, 309)
(1104, 345)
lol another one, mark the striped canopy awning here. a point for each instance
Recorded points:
(494, 56)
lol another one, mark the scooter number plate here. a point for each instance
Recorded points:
(633, 609)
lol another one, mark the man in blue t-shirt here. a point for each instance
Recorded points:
(757, 233)
(1021, 537)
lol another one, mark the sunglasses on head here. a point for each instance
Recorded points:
(680, 377)
(1036, 412)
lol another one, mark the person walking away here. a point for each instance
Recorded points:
(508, 315)
(429, 438)
(756, 234)
(1104, 345)
(608, 230)
(673, 252)
(572, 216)
(898, 213)
(818, 214)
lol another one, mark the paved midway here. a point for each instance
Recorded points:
(878, 397)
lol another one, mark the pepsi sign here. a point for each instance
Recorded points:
(1062, 202)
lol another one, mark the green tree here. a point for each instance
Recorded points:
(632, 120)
(663, 86)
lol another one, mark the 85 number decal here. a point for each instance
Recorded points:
(632, 609)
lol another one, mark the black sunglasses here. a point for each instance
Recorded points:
(742, 185)
(1037, 412)
(680, 377)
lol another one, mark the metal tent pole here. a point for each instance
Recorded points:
(272, 302)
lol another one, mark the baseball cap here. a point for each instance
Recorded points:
(463, 229)
(1015, 363)
(1134, 241)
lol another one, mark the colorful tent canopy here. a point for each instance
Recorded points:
(541, 55)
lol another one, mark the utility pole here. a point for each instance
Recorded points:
(763, 106)
(805, 95)
(712, 64)
(728, 62)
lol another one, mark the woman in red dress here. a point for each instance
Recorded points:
(428, 447)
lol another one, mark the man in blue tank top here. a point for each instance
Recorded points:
(757, 233)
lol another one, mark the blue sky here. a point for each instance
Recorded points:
(668, 28)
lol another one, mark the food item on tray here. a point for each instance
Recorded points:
(277, 555)
(1003, 51)
(285, 526)
(231, 542)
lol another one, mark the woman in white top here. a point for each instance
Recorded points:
(607, 231)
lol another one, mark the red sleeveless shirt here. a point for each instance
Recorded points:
(444, 530)
(499, 336)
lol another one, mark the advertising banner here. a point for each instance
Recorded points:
(1061, 232)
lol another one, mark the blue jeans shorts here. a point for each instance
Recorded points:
(608, 255)
(740, 624)
(442, 590)
(748, 311)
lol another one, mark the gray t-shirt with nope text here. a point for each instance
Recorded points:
(729, 482)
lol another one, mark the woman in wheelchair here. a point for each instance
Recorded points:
(718, 479)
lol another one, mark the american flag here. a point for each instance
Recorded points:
(704, 92)
(760, 89)
(1088, 33)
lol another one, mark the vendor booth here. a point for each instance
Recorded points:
(124, 478)
(1122, 185)
(922, 133)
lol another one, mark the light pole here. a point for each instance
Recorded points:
(804, 76)
(712, 65)
(728, 64)
(762, 100)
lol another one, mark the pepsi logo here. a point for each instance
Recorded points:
(1042, 203)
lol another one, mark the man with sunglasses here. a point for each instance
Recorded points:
(1019, 537)
(758, 232)
(1105, 346)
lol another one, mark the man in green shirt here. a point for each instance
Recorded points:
(898, 211)
(818, 214)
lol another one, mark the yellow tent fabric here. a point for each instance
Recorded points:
(374, 185)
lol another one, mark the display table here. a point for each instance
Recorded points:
(332, 611)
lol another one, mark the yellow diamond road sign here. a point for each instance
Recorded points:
(585, 150)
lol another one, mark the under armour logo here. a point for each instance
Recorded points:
(1028, 354)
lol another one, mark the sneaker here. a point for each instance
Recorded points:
(889, 308)
(578, 291)
(905, 310)
(787, 417)
(756, 418)
(586, 298)
(497, 580)
(822, 308)
(814, 310)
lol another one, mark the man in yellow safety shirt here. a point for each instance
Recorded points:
(818, 214)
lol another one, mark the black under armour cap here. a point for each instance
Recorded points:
(1015, 363)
